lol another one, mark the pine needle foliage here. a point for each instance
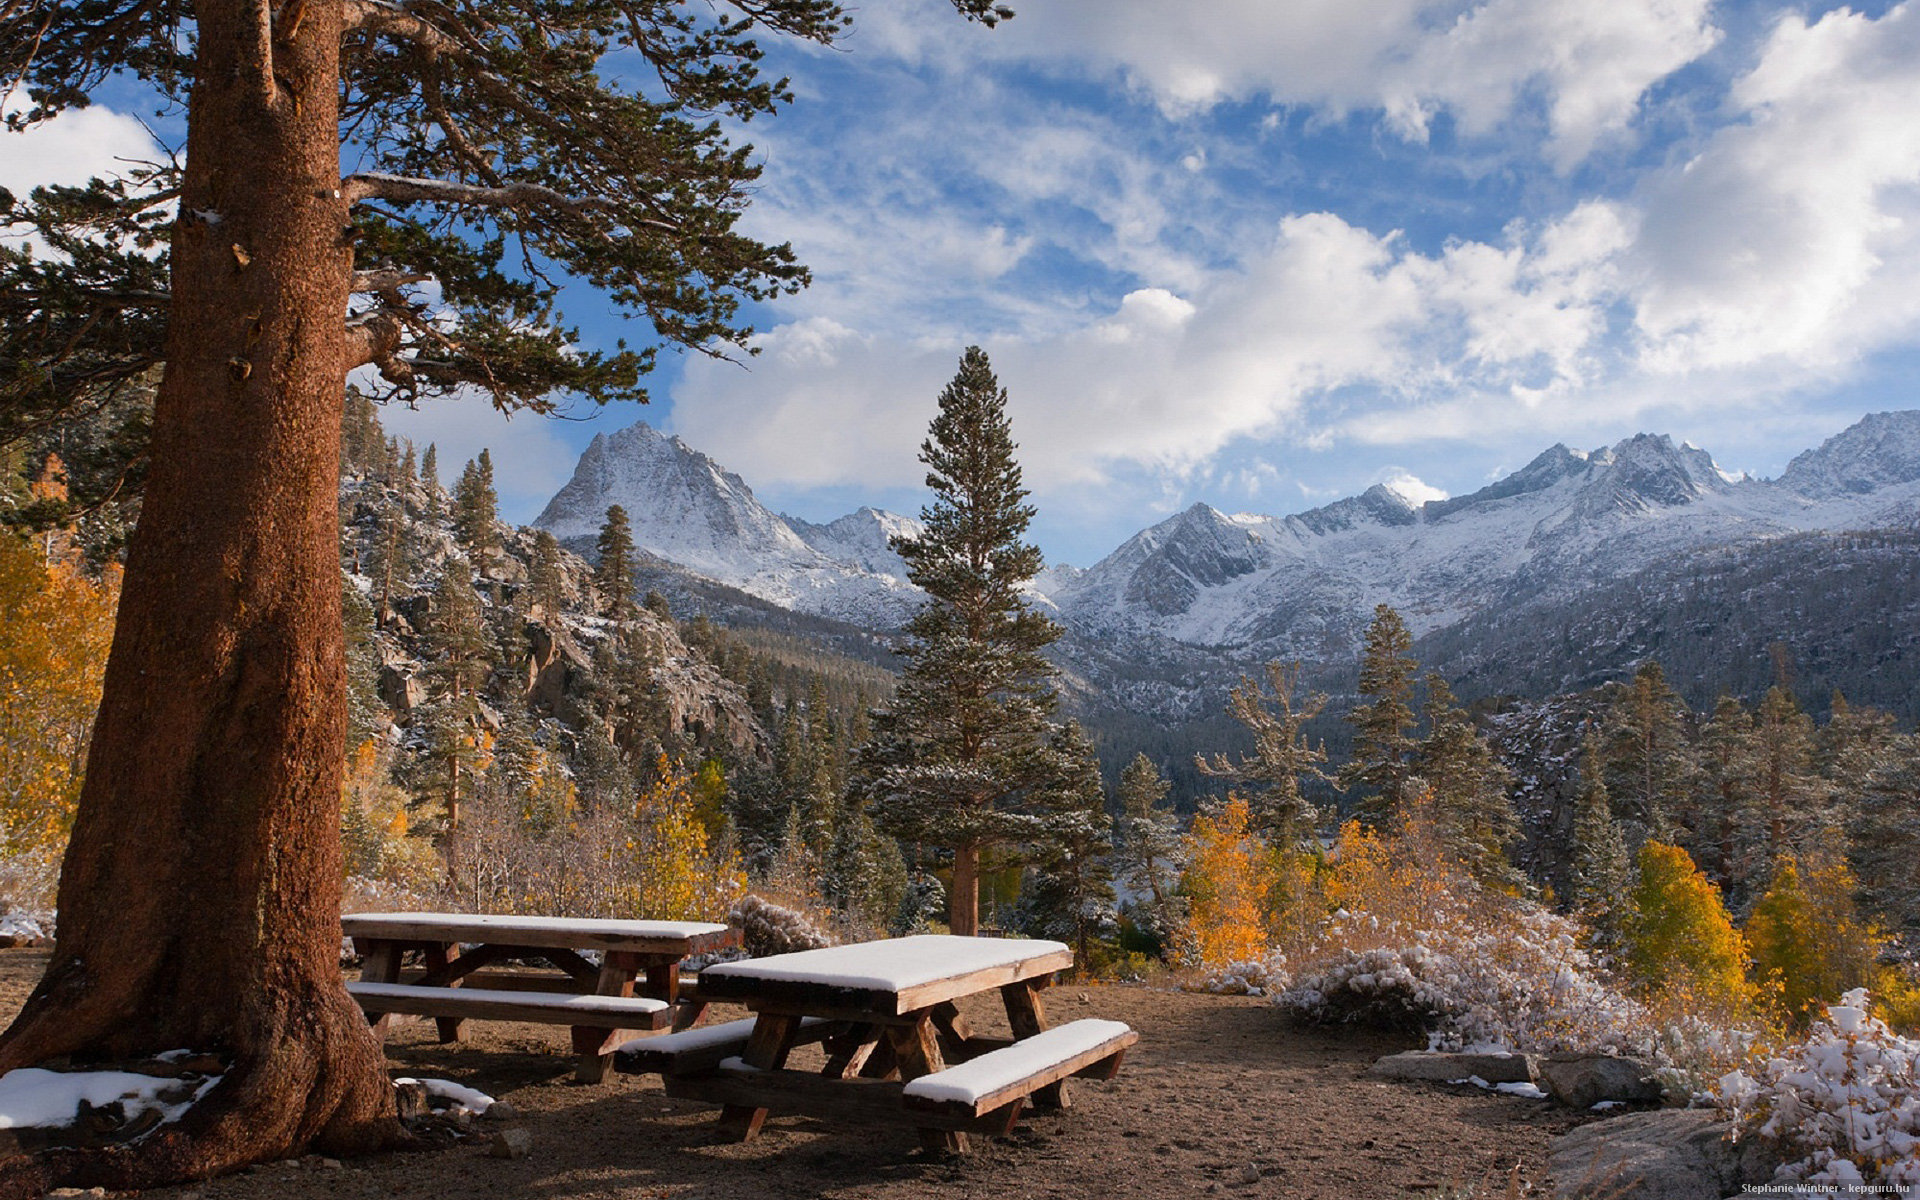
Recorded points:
(963, 760)
(1383, 744)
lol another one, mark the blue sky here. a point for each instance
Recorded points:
(1264, 255)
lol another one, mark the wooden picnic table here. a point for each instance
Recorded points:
(463, 973)
(887, 1016)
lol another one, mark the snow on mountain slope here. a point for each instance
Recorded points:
(1296, 586)
(1306, 585)
(687, 509)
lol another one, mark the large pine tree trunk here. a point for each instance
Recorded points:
(963, 898)
(200, 897)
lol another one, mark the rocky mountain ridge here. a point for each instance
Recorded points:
(1253, 586)
(688, 511)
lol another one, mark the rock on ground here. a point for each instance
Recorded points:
(1585, 1080)
(1446, 1068)
(1673, 1154)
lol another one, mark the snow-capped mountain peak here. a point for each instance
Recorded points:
(685, 508)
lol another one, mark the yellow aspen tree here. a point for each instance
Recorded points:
(677, 875)
(1807, 937)
(1229, 875)
(1680, 943)
(55, 627)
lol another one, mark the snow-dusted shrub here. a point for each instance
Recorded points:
(768, 928)
(29, 883)
(1514, 977)
(1255, 977)
(1843, 1107)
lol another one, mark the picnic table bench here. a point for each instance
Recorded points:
(474, 967)
(886, 1014)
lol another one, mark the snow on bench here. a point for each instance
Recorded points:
(546, 1008)
(983, 1084)
(703, 1048)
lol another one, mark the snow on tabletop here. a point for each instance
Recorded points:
(558, 1000)
(31, 1096)
(457, 1095)
(982, 1076)
(484, 922)
(892, 965)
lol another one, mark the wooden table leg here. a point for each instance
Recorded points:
(954, 1031)
(439, 958)
(848, 1054)
(917, 1046)
(767, 1049)
(1028, 1016)
(593, 1045)
(379, 963)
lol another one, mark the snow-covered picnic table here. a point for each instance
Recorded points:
(462, 973)
(887, 1016)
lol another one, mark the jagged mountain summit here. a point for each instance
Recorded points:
(1252, 586)
(689, 511)
(1304, 585)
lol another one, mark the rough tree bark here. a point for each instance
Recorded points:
(200, 895)
(963, 898)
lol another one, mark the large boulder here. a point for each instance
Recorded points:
(402, 692)
(1671, 1154)
(1582, 1081)
(1450, 1068)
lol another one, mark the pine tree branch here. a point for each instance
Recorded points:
(519, 196)
(367, 282)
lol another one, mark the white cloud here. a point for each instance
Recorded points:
(1483, 62)
(1793, 236)
(71, 148)
(1411, 487)
(1166, 381)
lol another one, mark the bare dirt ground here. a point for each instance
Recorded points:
(1221, 1097)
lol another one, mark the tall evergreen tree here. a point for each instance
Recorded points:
(476, 507)
(436, 506)
(389, 560)
(1469, 785)
(1649, 758)
(546, 583)
(1885, 831)
(959, 761)
(1600, 873)
(1069, 895)
(1726, 799)
(1149, 847)
(1383, 744)
(1790, 801)
(614, 575)
(1282, 758)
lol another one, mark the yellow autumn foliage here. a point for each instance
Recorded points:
(56, 625)
(1679, 940)
(678, 875)
(1807, 936)
(1229, 877)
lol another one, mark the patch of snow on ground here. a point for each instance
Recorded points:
(1526, 1090)
(458, 1096)
(22, 925)
(34, 1097)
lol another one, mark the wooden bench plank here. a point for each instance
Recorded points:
(802, 1093)
(544, 1008)
(689, 1051)
(1003, 1076)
